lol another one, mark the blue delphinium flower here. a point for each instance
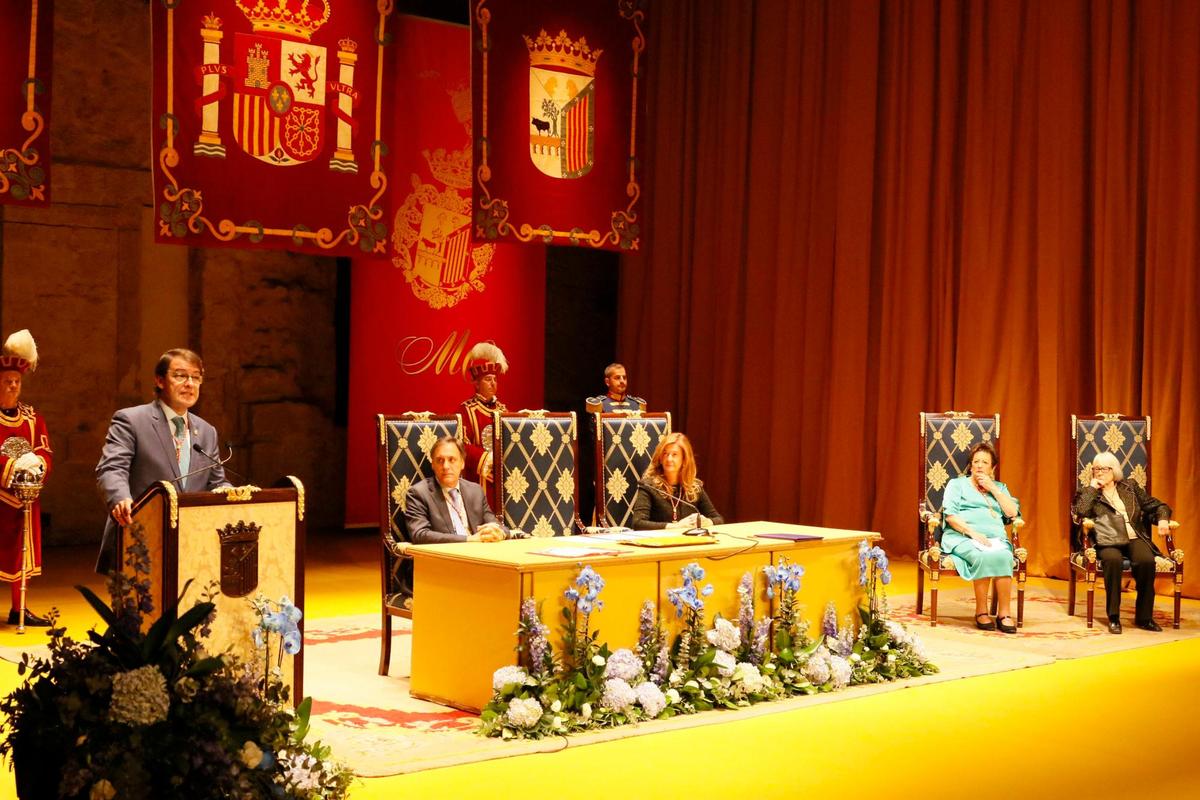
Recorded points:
(536, 632)
(745, 592)
(829, 626)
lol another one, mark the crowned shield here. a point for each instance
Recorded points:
(562, 104)
(279, 102)
(432, 235)
(239, 558)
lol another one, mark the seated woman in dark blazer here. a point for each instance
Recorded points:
(669, 494)
(1123, 513)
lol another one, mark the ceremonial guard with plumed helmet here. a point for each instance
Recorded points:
(483, 365)
(25, 456)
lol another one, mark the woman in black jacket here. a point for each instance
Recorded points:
(1123, 514)
(669, 494)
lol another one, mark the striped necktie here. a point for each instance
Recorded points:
(458, 513)
(181, 452)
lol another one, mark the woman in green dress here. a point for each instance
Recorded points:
(976, 508)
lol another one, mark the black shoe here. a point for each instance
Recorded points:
(32, 620)
(1114, 626)
(1149, 625)
(984, 626)
(1006, 628)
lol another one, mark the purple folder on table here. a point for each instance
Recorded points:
(790, 537)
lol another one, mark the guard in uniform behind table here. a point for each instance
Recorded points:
(483, 365)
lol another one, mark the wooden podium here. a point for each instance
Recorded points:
(248, 540)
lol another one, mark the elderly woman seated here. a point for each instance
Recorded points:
(669, 494)
(1123, 513)
(976, 508)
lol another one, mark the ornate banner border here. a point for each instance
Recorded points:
(182, 211)
(22, 176)
(492, 214)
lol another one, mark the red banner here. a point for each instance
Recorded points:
(556, 89)
(414, 317)
(269, 123)
(25, 101)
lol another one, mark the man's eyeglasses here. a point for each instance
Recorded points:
(184, 377)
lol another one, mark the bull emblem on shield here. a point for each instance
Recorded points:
(562, 104)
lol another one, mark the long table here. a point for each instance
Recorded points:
(467, 596)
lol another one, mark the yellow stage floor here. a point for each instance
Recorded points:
(1020, 734)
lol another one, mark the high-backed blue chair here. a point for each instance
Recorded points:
(403, 450)
(537, 488)
(1127, 438)
(946, 442)
(625, 443)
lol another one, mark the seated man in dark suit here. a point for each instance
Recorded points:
(446, 508)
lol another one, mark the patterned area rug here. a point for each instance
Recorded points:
(1048, 630)
(374, 726)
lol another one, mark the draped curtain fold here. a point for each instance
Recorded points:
(862, 210)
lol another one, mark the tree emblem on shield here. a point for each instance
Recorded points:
(239, 558)
(562, 104)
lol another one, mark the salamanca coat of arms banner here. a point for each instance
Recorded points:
(559, 166)
(269, 125)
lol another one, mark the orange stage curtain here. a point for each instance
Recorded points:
(862, 210)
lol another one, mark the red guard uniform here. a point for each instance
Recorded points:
(477, 437)
(26, 424)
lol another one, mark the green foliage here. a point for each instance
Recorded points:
(136, 713)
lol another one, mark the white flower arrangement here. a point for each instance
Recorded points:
(724, 635)
(732, 664)
(618, 695)
(650, 698)
(623, 664)
(524, 713)
(509, 675)
(725, 663)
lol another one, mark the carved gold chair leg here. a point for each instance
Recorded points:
(920, 589)
(1021, 593)
(1091, 595)
(933, 590)
(1071, 590)
(385, 646)
(1178, 594)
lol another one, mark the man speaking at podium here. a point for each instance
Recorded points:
(158, 441)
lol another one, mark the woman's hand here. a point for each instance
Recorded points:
(978, 538)
(985, 482)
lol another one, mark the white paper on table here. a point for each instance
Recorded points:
(575, 552)
(618, 534)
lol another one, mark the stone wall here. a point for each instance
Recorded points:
(103, 301)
